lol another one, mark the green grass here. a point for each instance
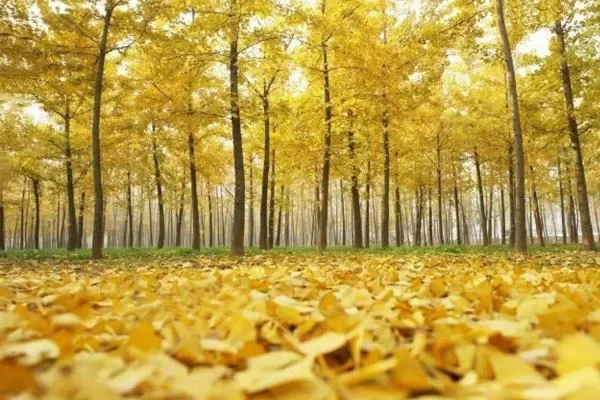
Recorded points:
(182, 253)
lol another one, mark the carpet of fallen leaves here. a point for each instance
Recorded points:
(303, 327)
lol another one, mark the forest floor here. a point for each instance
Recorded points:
(297, 325)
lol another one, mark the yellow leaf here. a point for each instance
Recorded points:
(575, 352)
(143, 337)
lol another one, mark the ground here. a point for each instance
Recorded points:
(296, 325)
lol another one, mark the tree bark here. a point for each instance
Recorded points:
(278, 237)
(239, 202)
(159, 192)
(194, 192)
(251, 205)
(2, 233)
(385, 202)
(129, 210)
(357, 224)
(502, 217)
(264, 189)
(457, 208)
(211, 229)
(72, 220)
(587, 231)
(36, 196)
(343, 213)
(98, 229)
(561, 190)
(482, 213)
(520, 226)
(367, 207)
(536, 210)
(271, 235)
(440, 221)
(180, 217)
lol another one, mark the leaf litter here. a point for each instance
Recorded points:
(303, 327)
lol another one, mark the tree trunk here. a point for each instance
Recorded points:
(398, 215)
(129, 210)
(343, 213)
(98, 229)
(72, 220)
(385, 202)
(520, 228)
(239, 202)
(36, 196)
(194, 193)
(357, 224)
(502, 217)
(2, 233)
(211, 218)
(278, 237)
(141, 219)
(536, 210)
(482, 213)
(561, 190)
(150, 223)
(572, 218)
(271, 235)
(180, 217)
(251, 205)
(457, 208)
(367, 207)
(264, 189)
(159, 192)
(587, 231)
(324, 208)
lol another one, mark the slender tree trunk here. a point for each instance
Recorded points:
(502, 217)
(264, 198)
(520, 228)
(511, 196)
(358, 238)
(561, 190)
(194, 193)
(324, 208)
(180, 217)
(150, 223)
(343, 213)
(572, 218)
(36, 196)
(239, 202)
(72, 220)
(482, 213)
(141, 220)
(98, 229)
(211, 218)
(457, 208)
(367, 209)
(278, 237)
(385, 202)
(587, 231)
(271, 235)
(159, 193)
(536, 210)
(398, 215)
(430, 217)
(251, 205)
(2, 233)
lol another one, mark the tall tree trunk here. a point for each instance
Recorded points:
(343, 213)
(129, 210)
(159, 193)
(587, 231)
(211, 218)
(511, 196)
(36, 196)
(572, 218)
(457, 209)
(264, 189)
(278, 237)
(251, 205)
(239, 202)
(324, 208)
(440, 221)
(385, 202)
(2, 233)
(98, 229)
(398, 212)
(561, 191)
(22, 217)
(271, 235)
(150, 223)
(502, 217)
(81, 218)
(367, 209)
(180, 217)
(430, 217)
(482, 213)
(520, 227)
(141, 219)
(72, 220)
(194, 193)
(357, 224)
(536, 210)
